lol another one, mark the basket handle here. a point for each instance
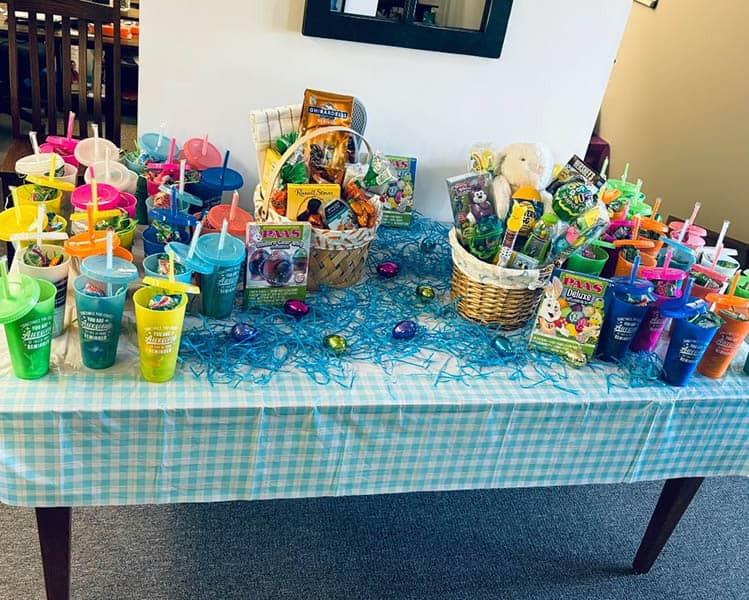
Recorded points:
(294, 147)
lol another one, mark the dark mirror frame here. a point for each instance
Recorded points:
(320, 21)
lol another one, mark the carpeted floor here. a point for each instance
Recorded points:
(555, 543)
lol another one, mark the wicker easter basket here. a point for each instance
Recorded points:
(337, 258)
(495, 295)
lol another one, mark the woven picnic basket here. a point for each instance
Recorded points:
(337, 258)
(495, 295)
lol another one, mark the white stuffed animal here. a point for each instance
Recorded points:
(519, 165)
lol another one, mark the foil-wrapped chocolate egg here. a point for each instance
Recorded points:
(387, 269)
(502, 346)
(425, 292)
(296, 308)
(335, 343)
(243, 332)
(404, 330)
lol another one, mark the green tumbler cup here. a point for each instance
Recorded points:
(30, 337)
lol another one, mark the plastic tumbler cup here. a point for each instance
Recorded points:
(30, 337)
(151, 268)
(667, 286)
(99, 322)
(58, 276)
(623, 316)
(218, 289)
(688, 343)
(746, 366)
(726, 343)
(591, 266)
(159, 334)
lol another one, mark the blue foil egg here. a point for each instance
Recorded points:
(243, 332)
(404, 330)
(502, 346)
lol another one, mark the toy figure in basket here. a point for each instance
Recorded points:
(520, 165)
(550, 318)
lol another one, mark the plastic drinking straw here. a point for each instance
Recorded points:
(34, 142)
(204, 149)
(194, 242)
(71, 122)
(626, 173)
(688, 224)
(234, 203)
(161, 135)
(4, 285)
(721, 237)
(40, 224)
(95, 128)
(604, 167)
(667, 259)
(636, 228)
(638, 187)
(635, 268)
(51, 169)
(656, 208)
(223, 169)
(110, 251)
(171, 265)
(172, 144)
(94, 192)
(173, 204)
(107, 171)
(224, 230)
(182, 164)
(718, 250)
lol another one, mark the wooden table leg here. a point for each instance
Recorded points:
(673, 501)
(53, 525)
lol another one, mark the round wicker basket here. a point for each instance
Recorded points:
(495, 295)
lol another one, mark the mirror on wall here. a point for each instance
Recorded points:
(475, 27)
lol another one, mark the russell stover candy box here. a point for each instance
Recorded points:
(570, 316)
(277, 263)
(576, 171)
(398, 198)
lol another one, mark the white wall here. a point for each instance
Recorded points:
(547, 85)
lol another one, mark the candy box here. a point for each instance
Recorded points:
(306, 201)
(477, 226)
(277, 263)
(569, 318)
(398, 198)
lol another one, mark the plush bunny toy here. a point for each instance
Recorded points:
(518, 165)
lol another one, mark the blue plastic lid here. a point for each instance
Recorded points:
(678, 309)
(122, 271)
(195, 263)
(149, 143)
(177, 219)
(212, 179)
(622, 285)
(230, 255)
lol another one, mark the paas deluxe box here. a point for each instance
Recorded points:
(570, 315)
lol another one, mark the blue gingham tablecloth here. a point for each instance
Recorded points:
(80, 438)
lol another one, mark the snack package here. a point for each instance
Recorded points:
(576, 171)
(326, 155)
(529, 198)
(306, 201)
(569, 318)
(482, 157)
(272, 158)
(277, 263)
(476, 223)
(398, 197)
(339, 216)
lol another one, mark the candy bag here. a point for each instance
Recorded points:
(326, 155)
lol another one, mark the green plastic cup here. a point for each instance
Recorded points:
(30, 337)
(591, 266)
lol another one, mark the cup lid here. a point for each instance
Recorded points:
(176, 287)
(39, 164)
(156, 146)
(679, 309)
(89, 151)
(62, 142)
(703, 270)
(602, 244)
(231, 254)
(237, 225)
(724, 300)
(51, 182)
(109, 196)
(24, 294)
(212, 178)
(194, 263)
(9, 224)
(640, 207)
(122, 271)
(623, 285)
(90, 243)
(642, 244)
(653, 225)
(177, 219)
(119, 174)
(193, 151)
(659, 273)
(693, 229)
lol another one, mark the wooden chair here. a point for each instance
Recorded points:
(55, 95)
